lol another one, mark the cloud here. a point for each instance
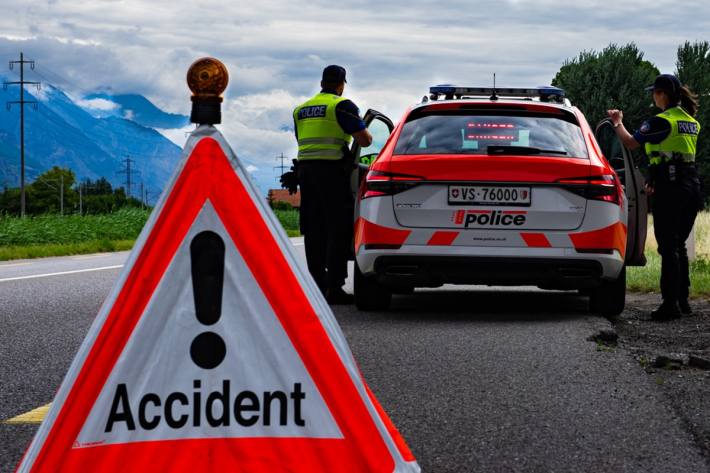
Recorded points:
(275, 49)
(275, 45)
(102, 105)
(177, 135)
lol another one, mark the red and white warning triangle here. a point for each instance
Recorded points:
(215, 351)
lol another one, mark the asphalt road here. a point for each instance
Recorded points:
(476, 379)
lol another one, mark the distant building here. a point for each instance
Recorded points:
(282, 195)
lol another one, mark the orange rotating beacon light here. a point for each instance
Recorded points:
(207, 78)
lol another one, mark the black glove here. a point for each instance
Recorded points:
(289, 180)
(348, 159)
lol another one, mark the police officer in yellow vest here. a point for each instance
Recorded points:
(670, 140)
(325, 126)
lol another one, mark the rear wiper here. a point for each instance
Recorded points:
(503, 149)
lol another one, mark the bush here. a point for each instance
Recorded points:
(280, 205)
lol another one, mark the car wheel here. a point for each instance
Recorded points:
(610, 297)
(369, 294)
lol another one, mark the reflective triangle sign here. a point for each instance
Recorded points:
(215, 351)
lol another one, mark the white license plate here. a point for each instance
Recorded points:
(489, 195)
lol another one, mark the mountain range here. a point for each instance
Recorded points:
(92, 136)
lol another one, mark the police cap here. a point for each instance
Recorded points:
(667, 82)
(334, 74)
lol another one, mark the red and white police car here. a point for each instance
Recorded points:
(497, 187)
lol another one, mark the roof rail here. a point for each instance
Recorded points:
(543, 93)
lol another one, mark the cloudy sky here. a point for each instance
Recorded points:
(275, 49)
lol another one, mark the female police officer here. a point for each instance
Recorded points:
(670, 140)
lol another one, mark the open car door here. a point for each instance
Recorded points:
(633, 183)
(380, 127)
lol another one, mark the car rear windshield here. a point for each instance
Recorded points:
(514, 132)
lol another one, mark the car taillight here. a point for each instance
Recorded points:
(605, 187)
(378, 183)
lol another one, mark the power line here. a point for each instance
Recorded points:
(148, 194)
(61, 82)
(281, 166)
(22, 102)
(128, 171)
(60, 182)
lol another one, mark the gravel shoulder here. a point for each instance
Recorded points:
(676, 355)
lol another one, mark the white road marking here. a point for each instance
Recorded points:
(45, 275)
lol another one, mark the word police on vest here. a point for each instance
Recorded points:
(687, 128)
(314, 111)
(176, 410)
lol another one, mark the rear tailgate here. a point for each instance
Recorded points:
(547, 207)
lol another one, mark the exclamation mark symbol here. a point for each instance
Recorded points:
(207, 258)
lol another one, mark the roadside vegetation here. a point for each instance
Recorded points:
(56, 191)
(55, 235)
(646, 279)
(289, 220)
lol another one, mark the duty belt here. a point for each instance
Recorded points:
(659, 157)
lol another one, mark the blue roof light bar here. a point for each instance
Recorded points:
(545, 93)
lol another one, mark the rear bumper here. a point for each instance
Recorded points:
(550, 268)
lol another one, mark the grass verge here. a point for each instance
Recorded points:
(646, 278)
(124, 224)
(52, 235)
(63, 249)
(289, 220)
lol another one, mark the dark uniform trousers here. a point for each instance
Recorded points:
(326, 220)
(675, 206)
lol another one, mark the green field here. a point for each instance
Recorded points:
(289, 220)
(52, 235)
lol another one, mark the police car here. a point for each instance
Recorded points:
(497, 187)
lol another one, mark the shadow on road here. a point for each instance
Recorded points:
(484, 304)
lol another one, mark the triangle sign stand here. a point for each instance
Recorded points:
(215, 351)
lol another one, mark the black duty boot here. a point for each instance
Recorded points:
(685, 308)
(667, 311)
(336, 296)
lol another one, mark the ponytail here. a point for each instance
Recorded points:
(688, 100)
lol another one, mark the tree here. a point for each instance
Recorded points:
(100, 186)
(693, 70)
(99, 197)
(51, 190)
(10, 201)
(613, 78)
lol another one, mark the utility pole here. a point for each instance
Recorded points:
(81, 203)
(61, 194)
(22, 102)
(282, 166)
(128, 171)
(142, 196)
(147, 196)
